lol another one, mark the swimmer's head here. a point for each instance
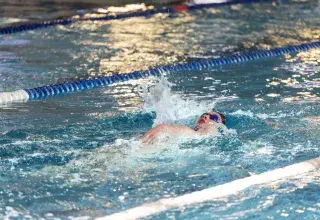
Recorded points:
(209, 118)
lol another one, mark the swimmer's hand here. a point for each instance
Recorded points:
(153, 135)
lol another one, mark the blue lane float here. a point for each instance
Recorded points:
(85, 84)
(146, 13)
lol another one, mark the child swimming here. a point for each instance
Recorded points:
(209, 123)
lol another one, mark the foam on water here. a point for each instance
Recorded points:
(279, 114)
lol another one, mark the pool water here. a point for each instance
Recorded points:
(79, 155)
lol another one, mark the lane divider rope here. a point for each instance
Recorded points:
(215, 192)
(85, 84)
(146, 13)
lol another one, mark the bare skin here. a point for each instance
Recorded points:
(204, 126)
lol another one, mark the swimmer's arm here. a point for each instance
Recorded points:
(152, 135)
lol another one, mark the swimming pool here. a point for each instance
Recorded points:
(76, 155)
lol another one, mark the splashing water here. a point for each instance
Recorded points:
(170, 107)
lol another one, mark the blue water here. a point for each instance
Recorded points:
(78, 155)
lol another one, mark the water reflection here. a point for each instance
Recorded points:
(15, 11)
(139, 43)
(304, 79)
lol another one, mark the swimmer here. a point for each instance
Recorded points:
(210, 123)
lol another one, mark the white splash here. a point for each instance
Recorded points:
(170, 107)
(264, 116)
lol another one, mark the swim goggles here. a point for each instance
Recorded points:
(214, 117)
